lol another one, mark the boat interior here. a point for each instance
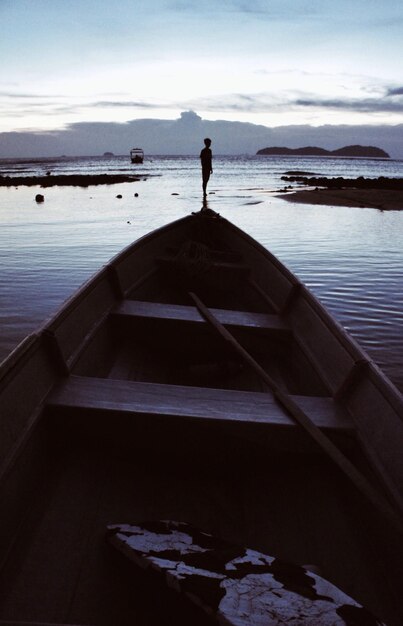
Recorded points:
(134, 408)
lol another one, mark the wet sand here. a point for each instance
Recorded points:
(381, 193)
(383, 199)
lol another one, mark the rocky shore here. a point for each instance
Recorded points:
(341, 183)
(66, 180)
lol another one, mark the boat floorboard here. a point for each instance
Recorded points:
(61, 569)
(132, 448)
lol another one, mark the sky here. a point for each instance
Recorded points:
(273, 63)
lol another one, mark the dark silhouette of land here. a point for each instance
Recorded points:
(347, 151)
(65, 180)
(340, 182)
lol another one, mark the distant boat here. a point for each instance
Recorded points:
(137, 155)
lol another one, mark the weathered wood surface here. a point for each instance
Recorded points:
(301, 417)
(211, 264)
(243, 319)
(236, 586)
(303, 515)
(193, 402)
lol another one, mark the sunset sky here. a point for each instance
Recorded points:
(272, 62)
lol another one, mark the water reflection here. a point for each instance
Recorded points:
(351, 258)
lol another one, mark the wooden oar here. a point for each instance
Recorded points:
(359, 480)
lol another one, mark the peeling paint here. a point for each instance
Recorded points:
(238, 586)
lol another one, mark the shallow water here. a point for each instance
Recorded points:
(351, 258)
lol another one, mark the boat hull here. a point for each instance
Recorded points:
(137, 155)
(127, 406)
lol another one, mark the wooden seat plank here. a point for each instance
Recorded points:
(211, 264)
(197, 403)
(156, 310)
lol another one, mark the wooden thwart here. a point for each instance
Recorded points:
(199, 403)
(211, 264)
(359, 480)
(174, 312)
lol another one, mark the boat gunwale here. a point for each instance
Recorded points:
(104, 272)
(109, 272)
(346, 339)
(14, 361)
(384, 384)
(37, 341)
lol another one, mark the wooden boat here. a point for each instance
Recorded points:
(194, 378)
(137, 155)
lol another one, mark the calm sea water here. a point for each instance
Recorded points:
(351, 258)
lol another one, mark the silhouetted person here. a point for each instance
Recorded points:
(206, 163)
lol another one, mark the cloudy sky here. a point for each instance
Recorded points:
(269, 62)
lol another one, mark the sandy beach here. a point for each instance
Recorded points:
(381, 193)
(383, 199)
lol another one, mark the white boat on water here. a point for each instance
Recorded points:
(137, 155)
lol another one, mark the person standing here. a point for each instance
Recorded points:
(206, 158)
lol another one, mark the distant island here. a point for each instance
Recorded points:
(108, 154)
(347, 151)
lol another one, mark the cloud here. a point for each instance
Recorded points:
(275, 10)
(106, 104)
(185, 136)
(230, 102)
(396, 91)
(33, 96)
(374, 101)
(238, 102)
(365, 105)
(32, 106)
(189, 117)
(268, 102)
